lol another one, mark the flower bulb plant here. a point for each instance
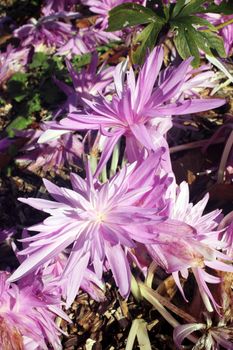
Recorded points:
(133, 221)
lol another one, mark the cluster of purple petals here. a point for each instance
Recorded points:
(99, 224)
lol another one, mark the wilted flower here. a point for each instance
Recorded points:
(212, 339)
(12, 61)
(26, 319)
(131, 112)
(99, 220)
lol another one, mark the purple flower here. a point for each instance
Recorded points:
(131, 112)
(193, 248)
(86, 40)
(49, 31)
(52, 276)
(58, 6)
(27, 318)
(12, 61)
(99, 220)
(62, 149)
(87, 83)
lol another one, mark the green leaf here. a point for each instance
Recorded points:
(210, 42)
(225, 8)
(189, 40)
(17, 86)
(130, 14)
(81, 60)
(18, 123)
(146, 40)
(185, 43)
(34, 105)
(192, 7)
(201, 22)
(178, 7)
(39, 60)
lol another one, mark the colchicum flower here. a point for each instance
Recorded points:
(27, 316)
(58, 6)
(131, 112)
(61, 150)
(196, 248)
(99, 220)
(49, 30)
(87, 83)
(86, 40)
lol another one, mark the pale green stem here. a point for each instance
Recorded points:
(103, 175)
(93, 163)
(135, 290)
(222, 25)
(115, 159)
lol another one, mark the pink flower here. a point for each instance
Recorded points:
(62, 149)
(27, 318)
(87, 83)
(85, 40)
(195, 248)
(131, 112)
(98, 220)
(49, 30)
(58, 6)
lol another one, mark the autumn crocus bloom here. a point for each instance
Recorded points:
(86, 40)
(130, 111)
(26, 320)
(49, 30)
(87, 83)
(61, 150)
(98, 220)
(58, 6)
(195, 249)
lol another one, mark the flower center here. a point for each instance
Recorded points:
(100, 217)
